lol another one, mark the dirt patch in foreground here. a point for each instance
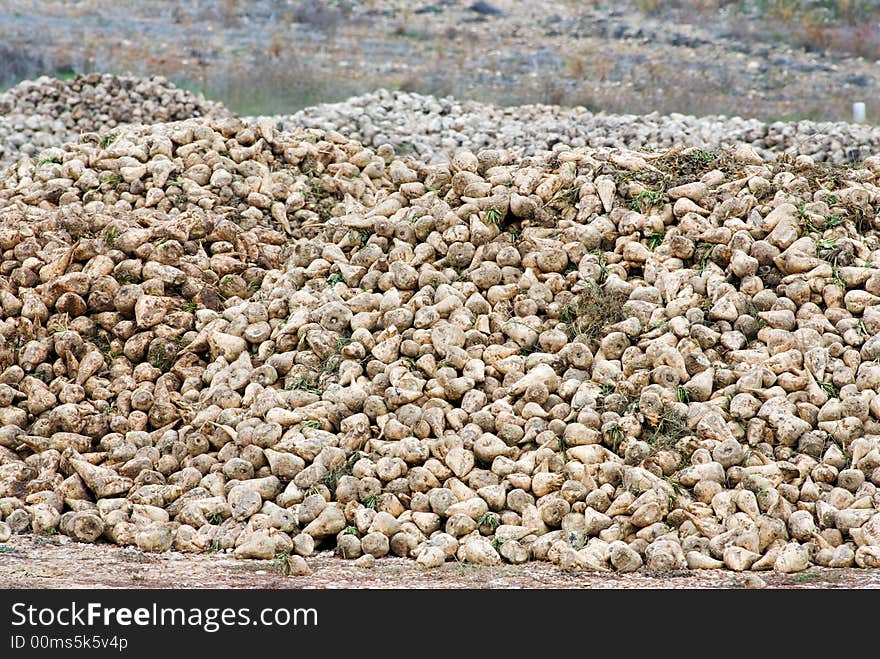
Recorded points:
(41, 562)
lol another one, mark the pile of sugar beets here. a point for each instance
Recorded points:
(218, 336)
(46, 112)
(435, 128)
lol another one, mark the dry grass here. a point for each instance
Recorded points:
(284, 85)
(286, 72)
(593, 311)
(841, 27)
(671, 427)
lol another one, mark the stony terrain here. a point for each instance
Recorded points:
(268, 57)
(220, 336)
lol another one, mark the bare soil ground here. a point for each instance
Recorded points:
(54, 562)
(266, 57)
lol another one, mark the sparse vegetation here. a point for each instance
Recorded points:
(683, 394)
(647, 199)
(655, 239)
(490, 520)
(298, 382)
(615, 436)
(107, 139)
(670, 428)
(593, 310)
(281, 563)
(702, 255)
(111, 181)
(333, 475)
(493, 216)
(830, 389)
(838, 26)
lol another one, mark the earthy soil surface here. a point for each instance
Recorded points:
(265, 57)
(40, 562)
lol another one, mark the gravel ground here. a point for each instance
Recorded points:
(38, 562)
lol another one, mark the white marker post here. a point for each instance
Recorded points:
(859, 112)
